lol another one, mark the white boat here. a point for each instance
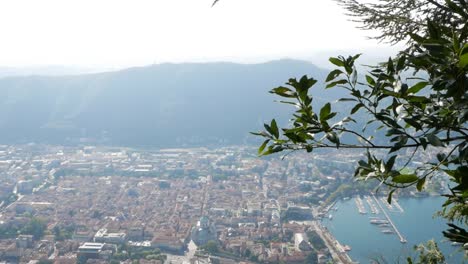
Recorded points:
(384, 225)
(378, 221)
(387, 231)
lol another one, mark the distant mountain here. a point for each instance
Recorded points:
(164, 105)
(53, 70)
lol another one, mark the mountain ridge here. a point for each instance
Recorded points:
(162, 105)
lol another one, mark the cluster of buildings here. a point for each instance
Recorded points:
(98, 204)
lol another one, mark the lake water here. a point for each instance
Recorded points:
(415, 223)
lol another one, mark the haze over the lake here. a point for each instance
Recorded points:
(117, 34)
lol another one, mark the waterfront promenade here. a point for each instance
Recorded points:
(336, 249)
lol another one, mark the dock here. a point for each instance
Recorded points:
(397, 205)
(360, 205)
(389, 206)
(329, 207)
(400, 236)
(371, 204)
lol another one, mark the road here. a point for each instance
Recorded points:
(332, 244)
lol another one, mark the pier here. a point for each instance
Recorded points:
(384, 201)
(360, 205)
(400, 236)
(329, 207)
(371, 204)
(397, 205)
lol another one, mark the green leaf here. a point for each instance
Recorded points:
(406, 171)
(272, 150)
(274, 128)
(389, 197)
(464, 49)
(333, 137)
(355, 57)
(330, 116)
(303, 95)
(347, 100)
(295, 136)
(434, 140)
(289, 102)
(356, 108)
(390, 67)
(390, 163)
(401, 63)
(283, 91)
(441, 157)
(261, 134)
(305, 83)
(333, 74)
(405, 178)
(416, 37)
(262, 147)
(423, 143)
(450, 172)
(413, 123)
(456, 43)
(354, 77)
(417, 87)
(348, 119)
(433, 31)
(333, 84)
(370, 80)
(325, 111)
(336, 61)
(395, 148)
(268, 129)
(420, 184)
(463, 60)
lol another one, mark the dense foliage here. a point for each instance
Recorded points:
(396, 19)
(428, 253)
(35, 227)
(419, 98)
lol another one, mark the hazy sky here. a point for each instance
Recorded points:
(119, 33)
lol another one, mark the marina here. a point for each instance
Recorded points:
(349, 227)
(400, 236)
(386, 224)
